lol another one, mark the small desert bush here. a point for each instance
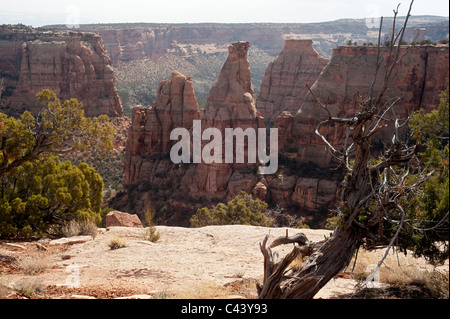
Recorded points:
(79, 227)
(151, 233)
(34, 263)
(72, 228)
(117, 242)
(29, 286)
(434, 282)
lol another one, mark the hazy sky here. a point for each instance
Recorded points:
(41, 12)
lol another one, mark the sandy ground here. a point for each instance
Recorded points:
(207, 262)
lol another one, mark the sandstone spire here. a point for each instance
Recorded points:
(230, 102)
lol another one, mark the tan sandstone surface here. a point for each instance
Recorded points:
(207, 262)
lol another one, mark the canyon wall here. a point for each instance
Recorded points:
(126, 42)
(71, 64)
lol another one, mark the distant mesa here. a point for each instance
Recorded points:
(71, 64)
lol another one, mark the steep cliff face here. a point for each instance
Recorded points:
(72, 64)
(283, 87)
(418, 80)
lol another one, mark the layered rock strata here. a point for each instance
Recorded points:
(230, 104)
(71, 64)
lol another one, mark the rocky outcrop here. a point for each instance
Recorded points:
(418, 80)
(283, 87)
(71, 64)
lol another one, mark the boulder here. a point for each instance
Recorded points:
(116, 218)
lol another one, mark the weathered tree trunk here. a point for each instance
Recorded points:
(327, 260)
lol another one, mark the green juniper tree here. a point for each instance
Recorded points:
(38, 193)
(242, 210)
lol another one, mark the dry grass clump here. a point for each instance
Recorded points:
(117, 242)
(79, 227)
(29, 286)
(400, 276)
(34, 263)
(203, 291)
(434, 283)
(151, 233)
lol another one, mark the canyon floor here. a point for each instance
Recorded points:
(194, 263)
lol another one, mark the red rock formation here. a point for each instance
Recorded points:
(71, 64)
(314, 193)
(175, 106)
(419, 79)
(283, 87)
(230, 105)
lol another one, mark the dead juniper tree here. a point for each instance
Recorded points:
(373, 194)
